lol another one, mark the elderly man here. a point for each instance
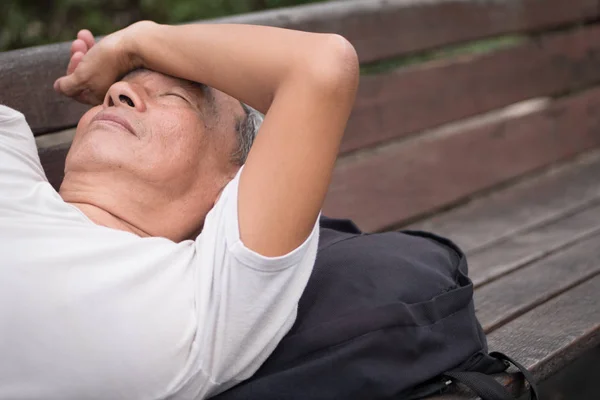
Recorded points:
(163, 268)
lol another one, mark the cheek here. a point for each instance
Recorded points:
(178, 139)
(173, 157)
(82, 126)
(84, 122)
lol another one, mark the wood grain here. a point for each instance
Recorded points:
(550, 336)
(518, 250)
(409, 100)
(408, 179)
(514, 294)
(26, 79)
(383, 28)
(530, 203)
(378, 29)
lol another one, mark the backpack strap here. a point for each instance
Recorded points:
(487, 387)
(533, 390)
(483, 385)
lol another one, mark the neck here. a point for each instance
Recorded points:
(142, 209)
(102, 217)
(149, 213)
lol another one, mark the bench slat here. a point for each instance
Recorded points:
(514, 294)
(384, 28)
(523, 248)
(378, 28)
(499, 302)
(550, 336)
(405, 101)
(530, 203)
(405, 180)
(26, 78)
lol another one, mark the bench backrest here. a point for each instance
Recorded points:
(423, 136)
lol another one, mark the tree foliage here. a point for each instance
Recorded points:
(25, 23)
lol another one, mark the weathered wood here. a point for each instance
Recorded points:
(52, 139)
(521, 249)
(406, 101)
(408, 179)
(383, 28)
(378, 29)
(550, 336)
(514, 294)
(578, 380)
(530, 203)
(26, 79)
(519, 292)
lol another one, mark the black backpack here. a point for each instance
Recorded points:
(384, 316)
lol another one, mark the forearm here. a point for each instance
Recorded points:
(250, 63)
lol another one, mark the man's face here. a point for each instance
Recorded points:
(156, 132)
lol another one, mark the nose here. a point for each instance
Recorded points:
(123, 94)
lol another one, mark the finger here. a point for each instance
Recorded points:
(87, 37)
(71, 86)
(78, 45)
(67, 85)
(81, 96)
(74, 62)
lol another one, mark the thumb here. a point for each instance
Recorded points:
(71, 86)
(66, 85)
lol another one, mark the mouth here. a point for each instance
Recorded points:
(114, 120)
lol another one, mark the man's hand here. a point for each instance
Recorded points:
(94, 67)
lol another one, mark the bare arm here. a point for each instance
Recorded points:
(304, 82)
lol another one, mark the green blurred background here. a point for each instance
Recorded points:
(25, 23)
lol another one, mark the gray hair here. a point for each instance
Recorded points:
(246, 129)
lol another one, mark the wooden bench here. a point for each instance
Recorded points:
(497, 149)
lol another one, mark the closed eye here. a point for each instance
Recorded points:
(178, 95)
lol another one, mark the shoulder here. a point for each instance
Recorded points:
(222, 226)
(14, 127)
(12, 119)
(19, 160)
(7, 113)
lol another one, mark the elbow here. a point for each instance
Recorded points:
(339, 53)
(334, 64)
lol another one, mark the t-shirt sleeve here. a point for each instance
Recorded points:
(246, 302)
(19, 161)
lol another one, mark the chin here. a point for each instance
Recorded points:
(97, 155)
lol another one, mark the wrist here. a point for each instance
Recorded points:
(133, 43)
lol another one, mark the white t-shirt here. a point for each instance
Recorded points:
(89, 312)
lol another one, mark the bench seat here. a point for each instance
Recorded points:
(534, 256)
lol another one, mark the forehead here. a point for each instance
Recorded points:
(156, 80)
